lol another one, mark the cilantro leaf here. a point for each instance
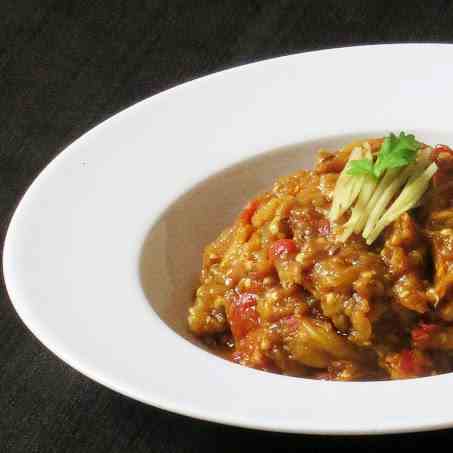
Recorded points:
(361, 167)
(396, 152)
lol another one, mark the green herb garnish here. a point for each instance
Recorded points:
(395, 152)
(400, 175)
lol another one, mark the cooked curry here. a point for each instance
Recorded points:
(302, 284)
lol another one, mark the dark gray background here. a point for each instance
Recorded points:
(67, 65)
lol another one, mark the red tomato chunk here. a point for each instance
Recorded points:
(282, 249)
(441, 151)
(413, 364)
(443, 156)
(407, 363)
(249, 210)
(422, 333)
(243, 316)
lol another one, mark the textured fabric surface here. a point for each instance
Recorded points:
(67, 65)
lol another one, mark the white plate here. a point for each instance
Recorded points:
(74, 247)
